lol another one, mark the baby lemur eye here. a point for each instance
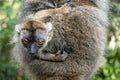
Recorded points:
(40, 42)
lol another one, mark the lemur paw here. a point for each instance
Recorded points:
(61, 55)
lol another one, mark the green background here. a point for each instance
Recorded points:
(9, 14)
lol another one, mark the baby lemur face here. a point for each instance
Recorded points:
(34, 35)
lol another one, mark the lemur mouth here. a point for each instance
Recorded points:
(46, 60)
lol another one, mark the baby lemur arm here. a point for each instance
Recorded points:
(59, 56)
(64, 9)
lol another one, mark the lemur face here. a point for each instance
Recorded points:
(34, 35)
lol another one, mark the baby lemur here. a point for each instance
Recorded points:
(82, 31)
(35, 33)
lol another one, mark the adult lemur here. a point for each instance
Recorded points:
(82, 30)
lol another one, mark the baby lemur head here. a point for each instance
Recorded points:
(34, 35)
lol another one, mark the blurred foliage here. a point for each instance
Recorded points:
(9, 11)
(111, 69)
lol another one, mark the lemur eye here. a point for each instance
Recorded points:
(40, 42)
(25, 42)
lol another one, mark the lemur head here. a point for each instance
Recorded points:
(34, 35)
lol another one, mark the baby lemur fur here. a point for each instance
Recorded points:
(83, 30)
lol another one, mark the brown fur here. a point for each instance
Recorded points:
(36, 22)
(33, 25)
(84, 32)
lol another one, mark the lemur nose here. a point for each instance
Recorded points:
(31, 53)
(33, 49)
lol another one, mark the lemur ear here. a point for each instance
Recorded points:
(48, 23)
(18, 28)
(47, 19)
(48, 27)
